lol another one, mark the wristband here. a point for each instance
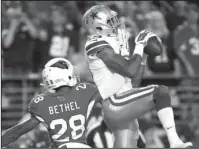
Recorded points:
(139, 49)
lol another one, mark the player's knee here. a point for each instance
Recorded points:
(162, 98)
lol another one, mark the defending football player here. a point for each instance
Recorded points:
(113, 69)
(64, 110)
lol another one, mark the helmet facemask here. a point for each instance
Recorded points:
(103, 21)
(114, 25)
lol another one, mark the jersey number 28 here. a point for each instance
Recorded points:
(72, 125)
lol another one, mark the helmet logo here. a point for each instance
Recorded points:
(60, 64)
(94, 15)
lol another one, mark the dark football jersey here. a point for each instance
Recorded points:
(65, 112)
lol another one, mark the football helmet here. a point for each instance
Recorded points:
(101, 20)
(59, 72)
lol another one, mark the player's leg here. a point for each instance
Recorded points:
(129, 138)
(165, 114)
(118, 114)
(119, 118)
(127, 135)
(159, 99)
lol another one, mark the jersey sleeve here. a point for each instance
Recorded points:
(34, 107)
(91, 89)
(93, 92)
(94, 47)
(94, 98)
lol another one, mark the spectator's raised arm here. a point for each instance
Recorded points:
(30, 26)
(9, 34)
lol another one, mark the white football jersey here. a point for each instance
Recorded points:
(107, 81)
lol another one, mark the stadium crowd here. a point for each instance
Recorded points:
(35, 31)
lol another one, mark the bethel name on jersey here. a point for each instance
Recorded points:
(65, 112)
(66, 107)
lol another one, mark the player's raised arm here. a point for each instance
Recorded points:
(118, 63)
(18, 130)
(140, 72)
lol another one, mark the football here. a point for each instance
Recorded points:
(153, 47)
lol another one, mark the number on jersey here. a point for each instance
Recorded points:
(81, 85)
(38, 99)
(72, 125)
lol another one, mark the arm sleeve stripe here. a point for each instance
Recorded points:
(97, 48)
(95, 44)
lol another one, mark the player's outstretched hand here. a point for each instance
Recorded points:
(152, 43)
(144, 36)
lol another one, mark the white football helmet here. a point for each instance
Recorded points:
(59, 72)
(101, 20)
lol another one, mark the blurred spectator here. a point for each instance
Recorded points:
(55, 37)
(143, 7)
(18, 40)
(71, 11)
(129, 8)
(165, 62)
(164, 6)
(156, 22)
(176, 16)
(41, 46)
(186, 41)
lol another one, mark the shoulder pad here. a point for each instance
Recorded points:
(94, 46)
(94, 38)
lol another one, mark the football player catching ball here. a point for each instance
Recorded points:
(113, 70)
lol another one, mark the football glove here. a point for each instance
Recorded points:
(143, 37)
